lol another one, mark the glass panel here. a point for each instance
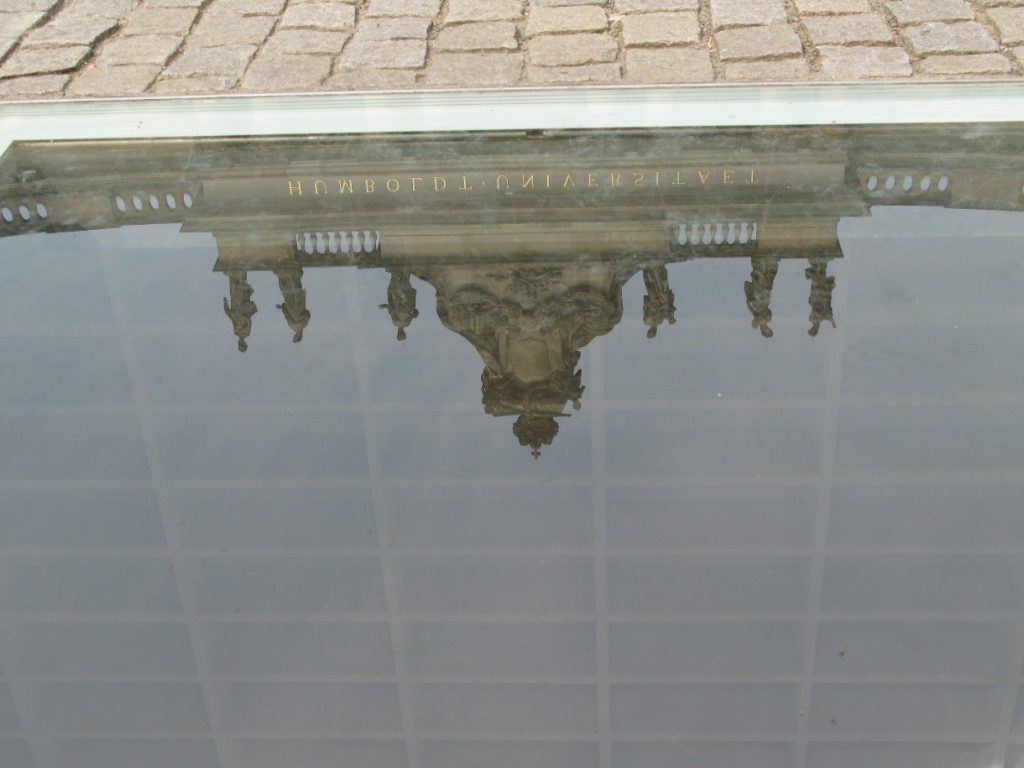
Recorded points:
(580, 448)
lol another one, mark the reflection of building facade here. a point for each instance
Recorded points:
(526, 240)
(529, 323)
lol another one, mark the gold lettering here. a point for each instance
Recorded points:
(591, 179)
(317, 185)
(704, 176)
(680, 181)
(465, 186)
(527, 181)
(547, 181)
(370, 185)
(344, 186)
(657, 178)
(393, 184)
(568, 181)
(638, 179)
(727, 176)
(753, 177)
(498, 181)
(415, 179)
(616, 179)
(440, 183)
(294, 188)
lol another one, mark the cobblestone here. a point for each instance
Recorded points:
(110, 81)
(861, 63)
(478, 36)
(395, 28)
(918, 11)
(50, 48)
(226, 61)
(971, 64)
(159, 21)
(666, 65)
(306, 41)
(583, 18)
(484, 10)
(758, 43)
(428, 8)
(960, 37)
(1010, 24)
(275, 72)
(80, 29)
(587, 73)
(475, 69)
(186, 86)
(661, 29)
(112, 9)
(384, 54)
(846, 29)
(654, 6)
(737, 13)
(782, 70)
(244, 7)
(33, 87)
(371, 79)
(241, 30)
(142, 49)
(7, 6)
(16, 24)
(43, 61)
(570, 50)
(811, 7)
(318, 16)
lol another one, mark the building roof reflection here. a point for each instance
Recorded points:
(526, 240)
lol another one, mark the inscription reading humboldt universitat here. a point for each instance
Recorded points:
(533, 181)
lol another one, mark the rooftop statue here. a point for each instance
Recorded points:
(820, 300)
(294, 307)
(401, 303)
(758, 291)
(241, 307)
(659, 301)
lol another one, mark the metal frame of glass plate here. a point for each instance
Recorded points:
(514, 109)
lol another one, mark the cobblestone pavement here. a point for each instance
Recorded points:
(77, 48)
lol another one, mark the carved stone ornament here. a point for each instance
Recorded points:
(528, 325)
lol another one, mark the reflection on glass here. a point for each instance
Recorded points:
(527, 240)
(527, 322)
(783, 527)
